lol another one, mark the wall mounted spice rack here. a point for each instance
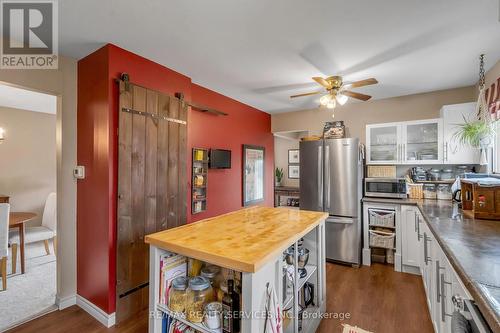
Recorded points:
(199, 180)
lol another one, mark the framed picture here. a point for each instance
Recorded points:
(294, 171)
(253, 174)
(293, 156)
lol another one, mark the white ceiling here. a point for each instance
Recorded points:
(23, 99)
(260, 51)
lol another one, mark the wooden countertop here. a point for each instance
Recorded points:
(243, 240)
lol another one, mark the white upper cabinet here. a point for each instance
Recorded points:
(422, 141)
(407, 142)
(383, 142)
(430, 141)
(454, 152)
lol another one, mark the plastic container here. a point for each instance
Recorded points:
(430, 191)
(199, 293)
(177, 294)
(444, 192)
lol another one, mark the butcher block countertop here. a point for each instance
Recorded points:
(243, 240)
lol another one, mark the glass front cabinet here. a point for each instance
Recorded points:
(409, 142)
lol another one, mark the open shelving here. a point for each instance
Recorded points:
(199, 327)
(199, 180)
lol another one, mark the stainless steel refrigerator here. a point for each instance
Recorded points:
(331, 175)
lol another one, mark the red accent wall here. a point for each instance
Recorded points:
(243, 125)
(97, 151)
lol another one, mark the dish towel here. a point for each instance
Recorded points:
(273, 308)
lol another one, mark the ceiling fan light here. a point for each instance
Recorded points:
(331, 104)
(324, 100)
(342, 99)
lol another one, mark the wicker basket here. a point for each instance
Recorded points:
(382, 239)
(381, 218)
(381, 171)
(415, 191)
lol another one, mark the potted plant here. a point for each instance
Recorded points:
(279, 176)
(476, 133)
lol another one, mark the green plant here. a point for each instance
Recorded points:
(279, 174)
(472, 132)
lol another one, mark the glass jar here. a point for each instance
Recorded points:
(447, 174)
(213, 315)
(212, 273)
(435, 174)
(430, 191)
(199, 293)
(462, 170)
(177, 294)
(444, 192)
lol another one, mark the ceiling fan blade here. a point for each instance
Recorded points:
(306, 94)
(322, 81)
(356, 95)
(361, 83)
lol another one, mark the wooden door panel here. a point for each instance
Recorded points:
(152, 185)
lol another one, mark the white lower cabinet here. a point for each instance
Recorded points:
(421, 253)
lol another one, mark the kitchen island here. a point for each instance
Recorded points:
(250, 241)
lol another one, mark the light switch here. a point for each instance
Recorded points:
(79, 172)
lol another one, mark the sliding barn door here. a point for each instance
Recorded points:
(152, 185)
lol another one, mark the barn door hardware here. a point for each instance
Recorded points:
(154, 116)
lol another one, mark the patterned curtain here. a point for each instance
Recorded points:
(492, 96)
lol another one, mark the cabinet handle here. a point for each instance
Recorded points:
(403, 157)
(419, 236)
(446, 151)
(438, 268)
(416, 223)
(426, 251)
(443, 299)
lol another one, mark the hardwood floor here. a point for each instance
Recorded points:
(376, 298)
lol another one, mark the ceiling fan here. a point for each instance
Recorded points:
(336, 90)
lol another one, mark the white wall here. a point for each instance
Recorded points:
(62, 83)
(28, 159)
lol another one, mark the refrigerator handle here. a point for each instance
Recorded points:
(320, 178)
(327, 180)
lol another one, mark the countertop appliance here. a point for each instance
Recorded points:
(331, 173)
(385, 187)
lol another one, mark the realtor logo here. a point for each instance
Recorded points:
(29, 34)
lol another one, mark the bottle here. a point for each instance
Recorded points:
(236, 310)
(227, 309)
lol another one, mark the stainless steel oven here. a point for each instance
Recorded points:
(385, 187)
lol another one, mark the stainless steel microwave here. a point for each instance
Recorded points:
(385, 187)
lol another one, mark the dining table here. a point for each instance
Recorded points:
(18, 220)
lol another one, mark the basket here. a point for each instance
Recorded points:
(415, 191)
(382, 239)
(381, 171)
(381, 218)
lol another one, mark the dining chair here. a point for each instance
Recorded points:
(44, 233)
(4, 241)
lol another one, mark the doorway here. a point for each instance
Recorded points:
(28, 184)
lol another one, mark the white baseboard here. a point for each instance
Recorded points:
(65, 302)
(104, 318)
